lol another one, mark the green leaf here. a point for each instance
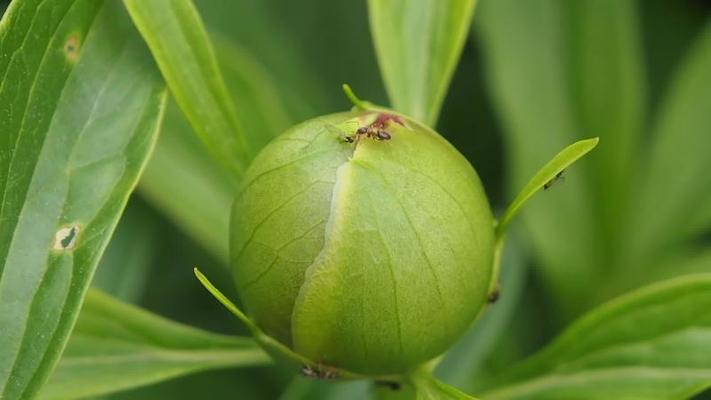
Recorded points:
(652, 344)
(545, 176)
(68, 161)
(675, 181)
(177, 38)
(181, 179)
(116, 346)
(418, 44)
(524, 44)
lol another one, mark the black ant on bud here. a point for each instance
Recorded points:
(369, 132)
(376, 130)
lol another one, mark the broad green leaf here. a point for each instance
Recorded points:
(545, 176)
(182, 180)
(611, 98)
(418, 44)
(81, 102)
(524, 44)
(128, 259)
(675, 181)
(649, 344)
(116, 346)
(180, 45)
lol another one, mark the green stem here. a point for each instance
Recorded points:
(496, 269)
(358, 103)
(428, 387)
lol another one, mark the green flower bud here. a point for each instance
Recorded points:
(364, 241)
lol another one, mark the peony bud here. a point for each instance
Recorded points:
(364, 241)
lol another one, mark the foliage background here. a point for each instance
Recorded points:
(309, 48)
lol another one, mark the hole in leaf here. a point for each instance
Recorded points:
(66, 238)
(71, 47)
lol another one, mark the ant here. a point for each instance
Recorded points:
(392, 385)
(494, 295)
(368, 131)
(558, 177)
(375, 130)
(318, 372)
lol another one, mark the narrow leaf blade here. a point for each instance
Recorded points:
(69, 162)
(116, 347)
(547, 173)
(651, 343)
(180, 45)
(418, 44)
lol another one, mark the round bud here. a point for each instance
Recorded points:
(362, 240)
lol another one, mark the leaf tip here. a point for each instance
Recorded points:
(593, 141)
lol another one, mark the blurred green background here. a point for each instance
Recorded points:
(533, 76)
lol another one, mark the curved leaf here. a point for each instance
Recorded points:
(545, 176)
(418, 44)
(652, 343)
(68, 161)
(177, 38)
(116, 346)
